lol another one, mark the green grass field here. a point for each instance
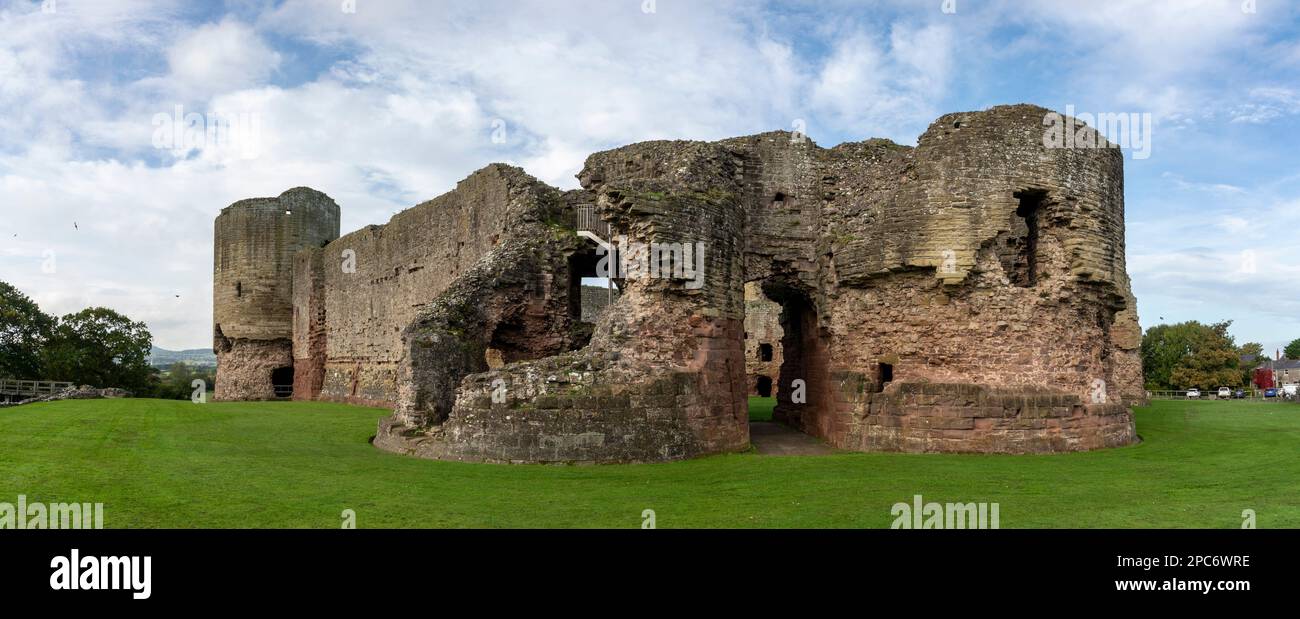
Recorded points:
(760, 409)
(156, 463)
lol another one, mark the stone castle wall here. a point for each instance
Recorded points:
(595, 299)
(966, 294)
(663, 376)
(763, 335)
(943, 286)
(400, 268)
(925, 272)
(253, 274)
(309, 324)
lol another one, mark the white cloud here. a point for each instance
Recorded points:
(890, 89)
(219, 58)
(409, 109)
(1144, 38)
(1233, 224)
(1218, 189)
(852, 76)
(1168, 58)
(1241, 267)
(398, 123)
(1265, 104)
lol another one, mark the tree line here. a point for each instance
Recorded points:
(95, 346)
(1203, 356)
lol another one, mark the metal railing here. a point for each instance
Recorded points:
(31, 388)
(589, 221)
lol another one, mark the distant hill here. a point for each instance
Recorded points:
(161, 357)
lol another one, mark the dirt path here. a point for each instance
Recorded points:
(775, 439)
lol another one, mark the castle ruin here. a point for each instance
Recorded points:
(967, 294)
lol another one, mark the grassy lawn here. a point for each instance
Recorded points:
(157, 463)
(760, 409)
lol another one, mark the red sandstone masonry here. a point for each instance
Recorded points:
(922, 308)
(308, 324)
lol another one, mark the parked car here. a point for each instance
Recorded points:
(1270, 393)
(1224, 393)
(1238, 394)
(1193, 393)
(1290, 390)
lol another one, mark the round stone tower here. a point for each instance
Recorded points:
(254, 244)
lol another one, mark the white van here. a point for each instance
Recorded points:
(1289, 390)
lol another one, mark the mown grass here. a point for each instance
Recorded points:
(760, 409)
(156, 463)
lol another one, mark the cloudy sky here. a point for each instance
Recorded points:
(385, 103)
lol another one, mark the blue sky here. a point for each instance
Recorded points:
(391, 104)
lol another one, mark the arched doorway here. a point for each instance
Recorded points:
(282, 382)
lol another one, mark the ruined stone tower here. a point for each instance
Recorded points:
(253, 312)
(967, 294)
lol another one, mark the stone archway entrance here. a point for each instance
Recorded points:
(788, 361)
(282, 381)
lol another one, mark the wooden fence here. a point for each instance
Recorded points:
(22, 389)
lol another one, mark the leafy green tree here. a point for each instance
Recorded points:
(1208, 368)
(1191, 354)
(102, 348)
(1253, 352)
(1292, 350)
(174, 384)
(1252, 348)
(177, 382)
(24, 329)
(1163, 346)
